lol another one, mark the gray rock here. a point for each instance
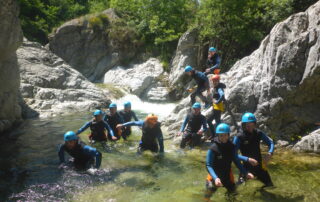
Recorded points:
(10, 40)
(88, 49)
(282, 143)
(137, 78)
(50, 87)
(280, 81)
(309, 143)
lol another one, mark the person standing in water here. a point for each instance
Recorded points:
(113, 119)
(84, 155)
(218, 162)
(213, 62)
(97, 127)
(193, 121)
(218, 104)
(127, 114)
(152, 138)
(248, 141)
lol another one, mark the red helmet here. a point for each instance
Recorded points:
(215, 78)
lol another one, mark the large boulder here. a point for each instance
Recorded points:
(186, 53)
(49, 86)
(10, 39)
(280, 81)
(93, 44)
(139, 79)
(309, 143)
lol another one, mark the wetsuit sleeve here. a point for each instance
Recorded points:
(236, 161)
(109, 129)
(209, 163)
(221, 95)
(236, 142)
(268, 141)
(84, 127)
(93, 152)
(184, 124)
(204, 124)
(134, 116)
(217, 65)
(160, 141)
(134, 123)
(61, 153)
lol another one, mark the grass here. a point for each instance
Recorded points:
(116, 92)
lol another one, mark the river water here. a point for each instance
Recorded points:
(29, 169)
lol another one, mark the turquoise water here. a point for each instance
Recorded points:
(29, 171)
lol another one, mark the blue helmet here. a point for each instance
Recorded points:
(70, 135)
(212, 49)
(196, 105)
(188, 69)
(222, 128)
(248, 117)
(112, 105)
(127, 104)
(97, 112)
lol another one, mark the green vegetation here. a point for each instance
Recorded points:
(235, 27)
(116, 92)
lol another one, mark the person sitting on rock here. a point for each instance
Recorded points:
(218, 103)
(193, 121)
(248, 141)
(97, 127)
(218, 162)
(151, 134)
(84, 155)
(202, 84)
(127, 114)
(113, 119)
(213, 62)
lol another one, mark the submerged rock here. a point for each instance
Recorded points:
(309, 143)
(49, 86)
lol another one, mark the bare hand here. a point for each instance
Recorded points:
(250, 176)
(180, 133)
(253, 162)
(119, 126)
(114, 138)
(207, 70)
(200, 132)
(218, 183)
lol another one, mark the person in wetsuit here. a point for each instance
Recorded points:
(248, 141)
(127, 114)
(213, 62)
(193, 121)
(152, 138)
(218, 103)
(113, 119)
(202, 84)
(97, 127)
(218, 162)
(84, 155)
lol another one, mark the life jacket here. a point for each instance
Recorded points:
(250, 144)
(201, 81)
(194, 122)
(127, 116)
(78, 153)
(97, 130)
(220, 105)
(223, 156)
(149, 135)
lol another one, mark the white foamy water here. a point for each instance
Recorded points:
(162, 110)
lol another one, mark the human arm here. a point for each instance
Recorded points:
(84, 127)
(236, 142)
(209, 163)
(160, 141)
(133, 123)
(61, 153)
(109, 129)
(268, 141)
(221, 96)
(184, 124)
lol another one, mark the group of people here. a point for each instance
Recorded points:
(110, 127)
(222, 152)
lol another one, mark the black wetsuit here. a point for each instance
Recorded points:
(127, 116)
(202, 85)
(113, 121)
(193, 123)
